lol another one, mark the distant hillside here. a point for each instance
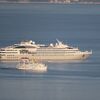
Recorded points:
(89, 0)
(47, 0)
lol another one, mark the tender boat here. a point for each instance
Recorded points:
(26, 64)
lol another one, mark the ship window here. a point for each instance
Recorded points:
(23, 51)
(70, 48)
(20, 47)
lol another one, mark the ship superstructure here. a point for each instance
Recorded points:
(51, 52)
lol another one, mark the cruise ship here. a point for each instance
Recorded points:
(52, 52)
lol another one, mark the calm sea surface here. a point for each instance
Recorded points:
(77, 25)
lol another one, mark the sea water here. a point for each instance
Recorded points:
(75, 24)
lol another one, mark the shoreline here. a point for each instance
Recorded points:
(98, 3)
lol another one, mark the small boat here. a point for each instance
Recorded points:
(26, 64)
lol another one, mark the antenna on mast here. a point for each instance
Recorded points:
(58, 41)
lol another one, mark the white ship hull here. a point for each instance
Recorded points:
(37, 67)
(79, 56)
